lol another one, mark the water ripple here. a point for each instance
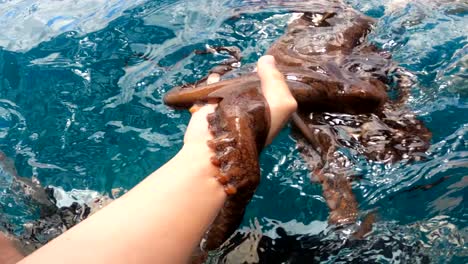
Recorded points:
(81, 104)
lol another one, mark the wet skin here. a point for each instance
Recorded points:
(237, 145)
(340, 82)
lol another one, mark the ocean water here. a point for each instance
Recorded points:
(81, 86)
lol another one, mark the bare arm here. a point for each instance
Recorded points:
(163, 218)
(159, 221)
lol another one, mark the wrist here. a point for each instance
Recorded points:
(197, 157)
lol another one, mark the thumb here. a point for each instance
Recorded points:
(272, 79)
(276, 92)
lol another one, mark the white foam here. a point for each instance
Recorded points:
(65, 198)
(26, 23)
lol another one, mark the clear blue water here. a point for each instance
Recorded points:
(80, 106)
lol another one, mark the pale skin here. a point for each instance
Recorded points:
(163, 218)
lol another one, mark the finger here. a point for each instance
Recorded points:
(213, 78)
(197, 129)
(195, 108)
(198, 126)
(282, 103)
(203, 111)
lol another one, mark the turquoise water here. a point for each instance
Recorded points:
(80, 106)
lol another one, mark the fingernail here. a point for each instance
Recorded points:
(269, 60)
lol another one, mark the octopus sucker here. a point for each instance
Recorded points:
(215, 161)
(223, 179)
(230, 189)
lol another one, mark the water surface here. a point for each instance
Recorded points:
(80, 106)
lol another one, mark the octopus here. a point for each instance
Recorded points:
(350, 95)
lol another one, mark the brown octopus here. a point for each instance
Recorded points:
(341, 83)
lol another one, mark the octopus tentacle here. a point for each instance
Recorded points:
(336, 187)
(237, 144)
(228, 64)
(185, 96)
(224, 67)
(312, 91)
(340, 83)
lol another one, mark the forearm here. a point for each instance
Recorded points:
(8, 252)
(161, 220)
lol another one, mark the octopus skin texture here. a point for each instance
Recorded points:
(341, 83)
